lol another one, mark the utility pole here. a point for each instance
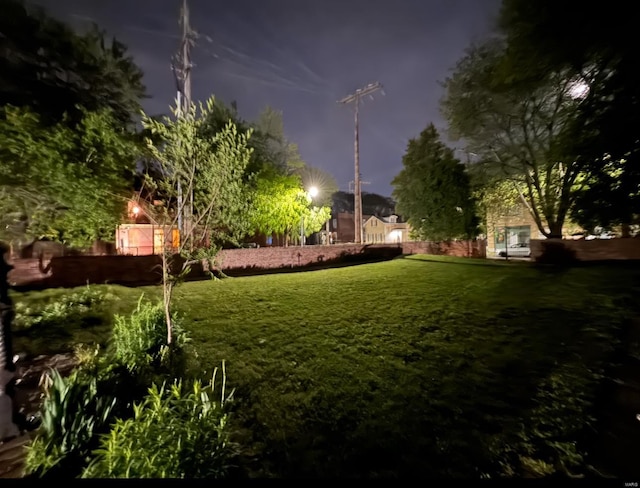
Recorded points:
(357, 207)
(181, 66)
(351, 183)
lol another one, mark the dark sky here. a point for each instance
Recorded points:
(300, 57)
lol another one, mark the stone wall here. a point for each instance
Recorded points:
(592, 250)
(70, 271)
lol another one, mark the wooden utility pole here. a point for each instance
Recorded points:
(181, 66)
(357, 193)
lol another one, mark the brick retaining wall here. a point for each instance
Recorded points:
(593, 250)
(70, 271)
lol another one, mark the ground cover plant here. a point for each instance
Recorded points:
(420, 366)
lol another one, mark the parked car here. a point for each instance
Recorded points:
(519, 249)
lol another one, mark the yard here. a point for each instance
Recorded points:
(421, 366)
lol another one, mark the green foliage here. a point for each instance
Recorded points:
(82, 307)
(63, 183)
(74, 412)
(140, 339)
(518, 132)
(433, 191)
(179, 431)
(280, 204)
(276, 149)
(46, 65)
(210, 168)
(610, 195)
(593, 48)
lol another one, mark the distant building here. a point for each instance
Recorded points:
(375, 230)
(385, 230)
(341, 228)
(516, 227)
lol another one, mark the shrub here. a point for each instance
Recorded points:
(176, 432)
(140, 340)
(74, 309)
(74, 412)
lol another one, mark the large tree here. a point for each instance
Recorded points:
(432, 190)
(281, 205)
(47, 66)
(276, 191)
(60, 183)
(597, 48)
(519, 131)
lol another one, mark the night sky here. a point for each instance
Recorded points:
(300, 57)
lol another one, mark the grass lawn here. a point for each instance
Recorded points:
(421, 366)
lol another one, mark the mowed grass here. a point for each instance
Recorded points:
(417, 367)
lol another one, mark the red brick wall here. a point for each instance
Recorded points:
(475, 249)
(594, 250)
(27, 271)
(69, 271)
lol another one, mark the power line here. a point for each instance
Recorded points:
(355, 97)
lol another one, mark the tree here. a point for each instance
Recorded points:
(212, 169)
(518, 131)
(64, 184)
(278, 150)
(281, 205)
(596, 47)
(45, 65)
(432, 190)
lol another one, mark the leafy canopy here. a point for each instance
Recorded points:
(518, 132)
(432, 190)
(47, 66)
(64, 184)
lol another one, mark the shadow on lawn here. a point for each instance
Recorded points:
(464, 261)
(471, 398)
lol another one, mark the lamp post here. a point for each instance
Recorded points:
(310, 194)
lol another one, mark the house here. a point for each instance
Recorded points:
(515, 227)
(375, 229)
(140, 237)
(385, 230)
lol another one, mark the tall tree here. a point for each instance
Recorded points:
(597, 48)
(518, 131)
(65, 184)
(432, 190)
(281, 205)
(47, 66)
(281, 152)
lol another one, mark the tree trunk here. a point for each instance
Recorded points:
(555, 230)
(625, 230)
(167, 289)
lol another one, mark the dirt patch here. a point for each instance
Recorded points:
(27, 400)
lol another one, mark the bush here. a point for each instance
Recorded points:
(78, 308)
(176, 432)
(74, 412)
(140, 340)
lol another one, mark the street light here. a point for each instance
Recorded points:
(310, 194)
